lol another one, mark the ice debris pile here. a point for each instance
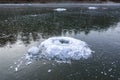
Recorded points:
(60, 49)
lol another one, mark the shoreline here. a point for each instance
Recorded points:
(59, 4)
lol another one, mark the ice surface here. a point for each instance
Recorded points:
(60, 9)
(61, 49)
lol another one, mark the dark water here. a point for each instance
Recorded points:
(23, 27)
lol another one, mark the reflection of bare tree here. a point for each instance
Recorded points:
(29, 37)
(30, 27)
(26, 38)
(71, 32)
(4, 39)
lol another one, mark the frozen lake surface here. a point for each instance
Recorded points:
(23, 26)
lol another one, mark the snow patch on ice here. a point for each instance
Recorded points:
(60, 9)
(92, 8)
(34, 15)
(49, 70)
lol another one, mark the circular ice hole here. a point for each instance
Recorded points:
(62, 41)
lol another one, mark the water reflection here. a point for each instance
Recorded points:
(32, 27)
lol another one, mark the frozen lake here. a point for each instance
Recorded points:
(25, 25)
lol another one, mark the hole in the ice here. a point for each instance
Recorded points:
(64, 41)
(60, 41)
